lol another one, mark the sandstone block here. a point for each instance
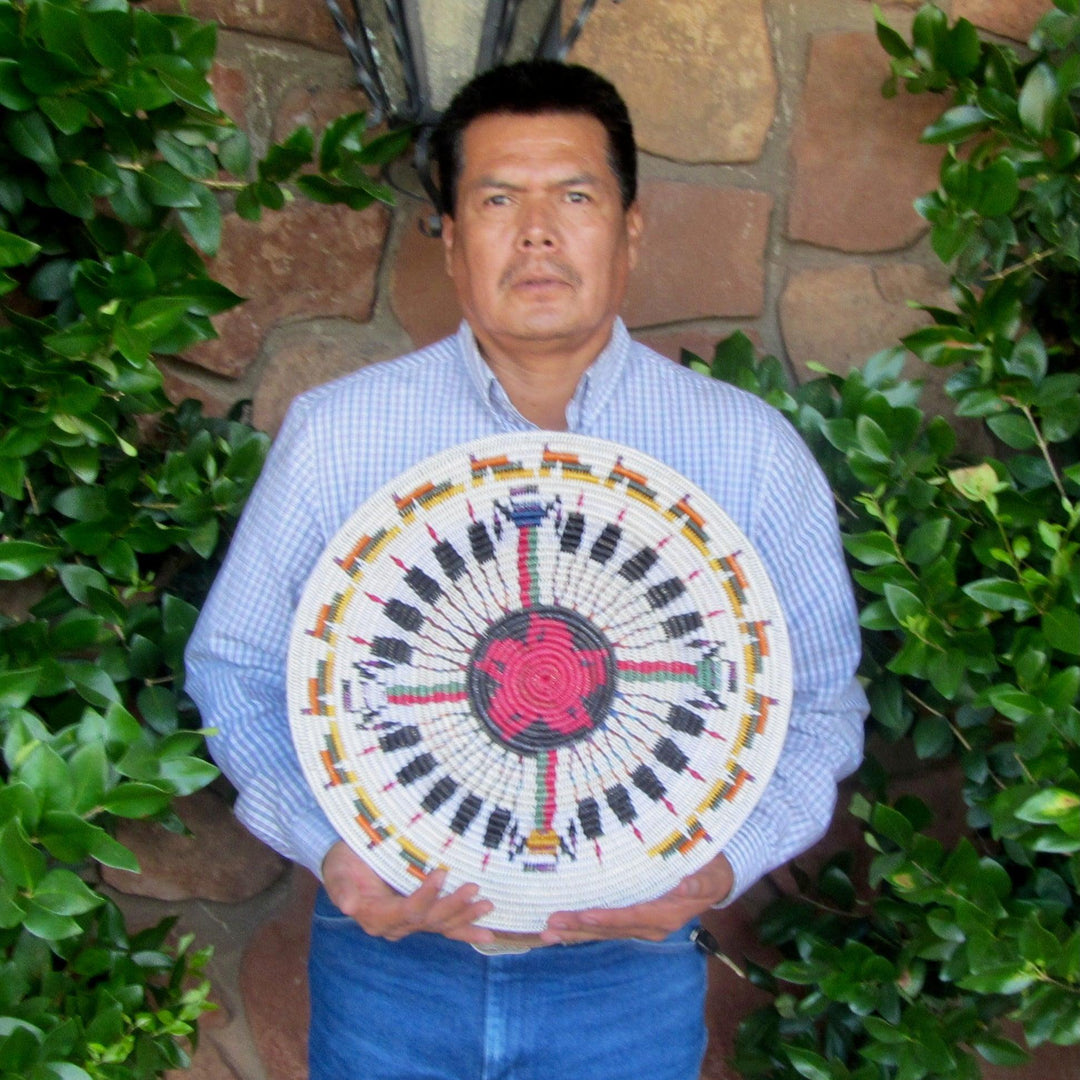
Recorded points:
(940, 786)
(307, 357)
(1011, 18)
(858, 162)
(220, 861)
(1047, 1060)
(697, 75)
(702, 254)
(230, 88)
(315, 107)
(422, 295)
(670, 343)
(178, 389)
(306, 260)
(273, 980)
(842, 316)
(292, 20)
(18, 597)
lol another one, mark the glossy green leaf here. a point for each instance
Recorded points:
(89, 770)
(903, 603)
(18, 801)
(386, 147)
(130, 204)
(63, 893)
(1013, 703)
(79, 579)
(872, 439)
(270, 195)
(157, 706)
(234, 153)
(999, 1050)
(956, 124)
(20, 559)
(16, 250)
(136, 800)
(105, 34)
(91, 682)
(999, 189)
(961, 49)
(1000, 594)
(157, 316)
(1038, 99)
(345, 130)
(808, 1064)
(17, 686)
(29, 135)
(65, 1070)
(204, 223)
(21, 863)
(187, 775)
(13, 93)
(194, 162)
(68, 837)
(926, 541)
(162, 185)
(873, 548)
(67, 115)
(48, 926)
(932, 737)
(1014, 430)
(182, 79)
(69, 191)
(1061, 626)
(247, 204)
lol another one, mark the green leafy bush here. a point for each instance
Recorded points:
(113, 158)
(969, 581)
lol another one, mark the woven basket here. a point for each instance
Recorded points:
(546, 662)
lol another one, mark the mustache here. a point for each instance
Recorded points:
(522, 269)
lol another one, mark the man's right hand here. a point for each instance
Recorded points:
(383, 912)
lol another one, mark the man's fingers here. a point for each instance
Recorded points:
(382, 911)
(651, 922)
(426, 911)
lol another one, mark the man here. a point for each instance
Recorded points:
(541, 228)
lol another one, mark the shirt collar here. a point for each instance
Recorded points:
(593, 389)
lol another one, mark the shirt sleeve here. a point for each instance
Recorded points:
(795, 532)
(236, 658)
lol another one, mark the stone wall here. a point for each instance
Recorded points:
(777, 189)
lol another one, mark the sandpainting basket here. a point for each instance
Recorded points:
(544, 661)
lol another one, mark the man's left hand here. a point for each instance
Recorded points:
(652, 921)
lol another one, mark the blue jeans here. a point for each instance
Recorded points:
(426, 1008)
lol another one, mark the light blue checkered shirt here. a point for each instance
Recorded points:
(342, 441)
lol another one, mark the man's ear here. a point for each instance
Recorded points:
(635, 225)
(447, 223)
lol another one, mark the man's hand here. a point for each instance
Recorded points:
(652, 921)
(382, 912)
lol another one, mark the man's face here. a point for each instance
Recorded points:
(539, 247)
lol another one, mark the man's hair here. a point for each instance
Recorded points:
(530, 88)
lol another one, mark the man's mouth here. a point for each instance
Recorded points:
(538, 278)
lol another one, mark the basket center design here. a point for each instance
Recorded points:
(541, 677)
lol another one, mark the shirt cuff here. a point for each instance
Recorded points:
(747, 852)
(309, 838)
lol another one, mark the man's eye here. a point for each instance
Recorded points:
(497, 200)
(577, 197)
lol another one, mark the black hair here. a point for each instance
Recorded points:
(529, 88)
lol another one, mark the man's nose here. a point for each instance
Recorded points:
(537, 228)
